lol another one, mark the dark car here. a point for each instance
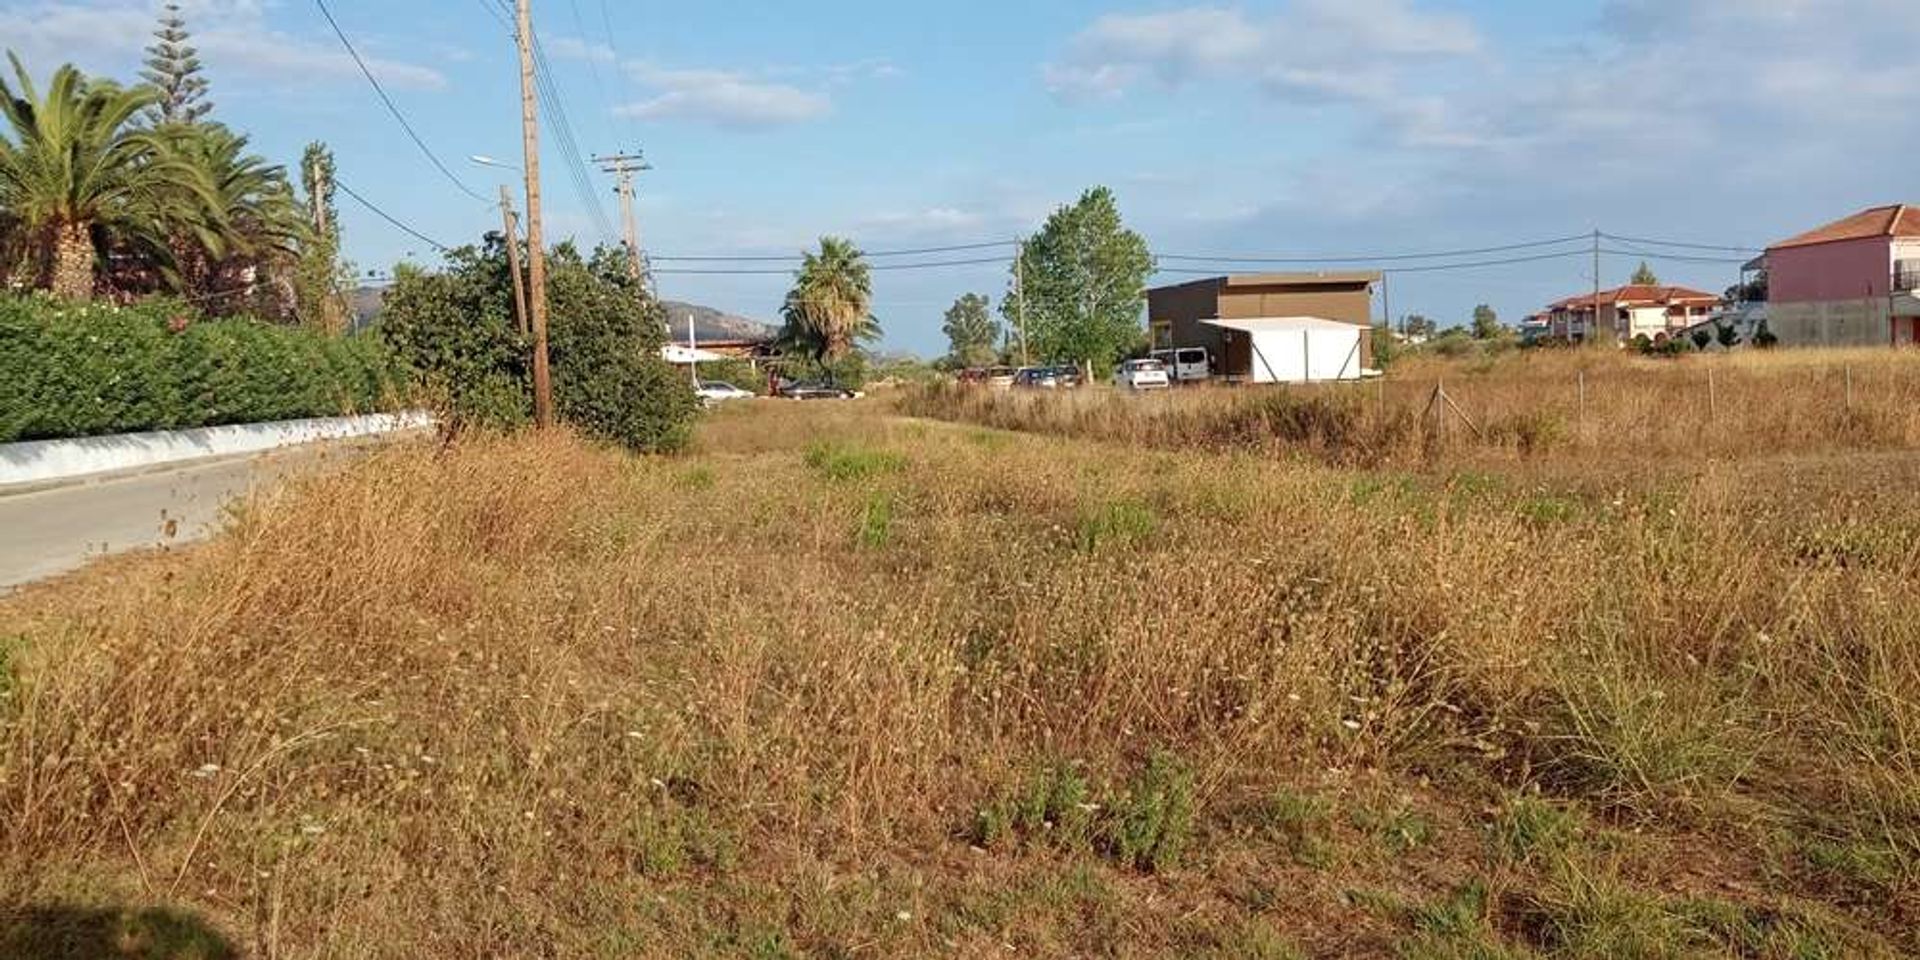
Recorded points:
(813, 390)
(1068, 376)
(1036, 378)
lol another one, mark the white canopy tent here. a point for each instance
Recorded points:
(1297, 349)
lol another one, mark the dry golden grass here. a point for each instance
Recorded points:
(1516, 405)
(845, 684)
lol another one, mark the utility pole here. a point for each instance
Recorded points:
(536, 250)
(1020, 296)
(1595, 332)
(319, 198)
(623, 166)
(1386, 302)
(513, 260)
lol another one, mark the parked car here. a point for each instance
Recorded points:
(1142, 375)
(1037, 378)
(814, 390)
(1068, 375)
(999, 378)
(1185, 364)
(713, 392)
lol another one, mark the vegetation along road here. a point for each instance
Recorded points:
(838, 681)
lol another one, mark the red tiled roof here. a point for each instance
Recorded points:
(1898, 220)
(1638, 293)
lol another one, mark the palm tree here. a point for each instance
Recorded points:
(829, 309)
(76, 167)
(240, 217)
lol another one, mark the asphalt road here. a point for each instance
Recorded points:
(51, 531)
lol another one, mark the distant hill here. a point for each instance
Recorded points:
(708, 323)
(711, 324)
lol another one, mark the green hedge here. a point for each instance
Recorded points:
(73, 370)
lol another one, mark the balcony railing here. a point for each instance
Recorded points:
(1906, 276)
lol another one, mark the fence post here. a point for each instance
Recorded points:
(1713, 398)
(1849, 388)
(1583, 402)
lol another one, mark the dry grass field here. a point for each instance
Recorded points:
(848, 683)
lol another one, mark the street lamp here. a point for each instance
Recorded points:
(486, 161)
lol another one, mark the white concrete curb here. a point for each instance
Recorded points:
(50, 461)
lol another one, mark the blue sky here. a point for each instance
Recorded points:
(1284, 128)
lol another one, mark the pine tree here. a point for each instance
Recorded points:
(1645, 276)
(173, 66)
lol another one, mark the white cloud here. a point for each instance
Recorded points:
(723, 98)
(574, 48)
(1312, 50)
(768, 96)
(232, 36)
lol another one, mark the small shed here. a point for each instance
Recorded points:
(1292, 349)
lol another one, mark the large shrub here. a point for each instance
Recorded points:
(72, 370)
(455, 331)
(605, 336)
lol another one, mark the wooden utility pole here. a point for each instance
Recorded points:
(536, 239)
(1020, 296)
(1595, 332)
(623, 166)
(319, 197)
(513, 260)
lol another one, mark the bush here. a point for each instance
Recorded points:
(456, 333)
(74, 370)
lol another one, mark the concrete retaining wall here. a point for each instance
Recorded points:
(51, 461)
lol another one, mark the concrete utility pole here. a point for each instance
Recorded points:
(513, 260)
(536, 239)
(623, 166)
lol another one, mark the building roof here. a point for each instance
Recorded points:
(1639, 293)
(1898, 220)
(1267, 324)
(1317, 278)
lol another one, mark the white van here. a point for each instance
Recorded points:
(1185, 364)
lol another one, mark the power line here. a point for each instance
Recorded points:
(1683, 258)
(1676, 243)
(791, 257)
(1431, 268)
(497, 14)
(781, 272)
(568, 141)
(429, 241)
(1379, 258)
(391, 107)
(593, 68)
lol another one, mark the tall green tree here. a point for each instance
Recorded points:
(173, 68)
(1082, 280)
(972, 334)
(829, 311)
(74, 167)
(1486, 323)
(319, 276)
(1643, 275)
